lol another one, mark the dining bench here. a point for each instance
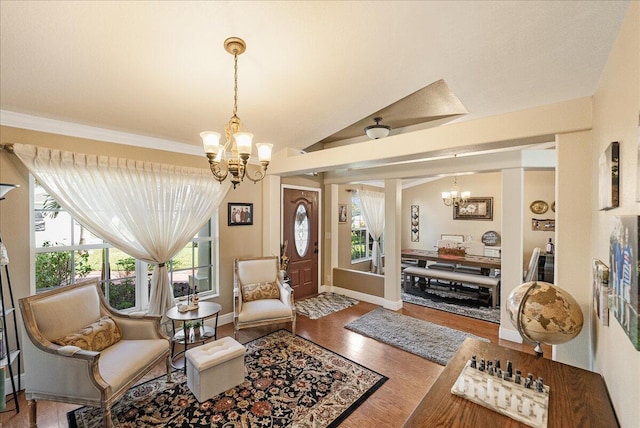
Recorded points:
(481, 281)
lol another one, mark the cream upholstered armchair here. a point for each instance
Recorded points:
(62, 325)
(261, 297)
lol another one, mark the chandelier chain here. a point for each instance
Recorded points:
(235, 82)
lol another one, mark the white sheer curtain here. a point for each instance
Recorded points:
(372, 204)
(148, 210)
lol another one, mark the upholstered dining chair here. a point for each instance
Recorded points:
(531, 273)
(261, 296)
(79, 350)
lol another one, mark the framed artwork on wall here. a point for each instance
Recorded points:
(240, 214)
(624, 281)
(543, 224)
(608, 178)
(342, 213)
(415, 223)
(601, 291)
(474, 209)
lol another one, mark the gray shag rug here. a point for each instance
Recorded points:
(442, 303)
(427, 340)
(323, 304)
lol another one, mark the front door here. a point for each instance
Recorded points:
(300, 231)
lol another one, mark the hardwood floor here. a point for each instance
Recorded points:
(410, 376)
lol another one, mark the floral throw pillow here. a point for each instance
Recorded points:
(260, 290)
(94, 337)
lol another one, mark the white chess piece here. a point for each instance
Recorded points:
(514, 403)
(471, 390)
(502, 397)
(461, 382)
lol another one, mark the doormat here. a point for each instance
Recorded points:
(323, 304)
(290, 381)
(430, 341)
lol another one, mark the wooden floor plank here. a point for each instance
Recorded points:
(410, 376)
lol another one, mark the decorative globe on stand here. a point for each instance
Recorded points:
(544, 313)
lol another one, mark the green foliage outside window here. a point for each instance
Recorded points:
(55, 269)
(122, 291)
(358, 244)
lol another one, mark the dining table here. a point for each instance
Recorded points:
(466, 260)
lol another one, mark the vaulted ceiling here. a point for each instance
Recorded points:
(311, 69)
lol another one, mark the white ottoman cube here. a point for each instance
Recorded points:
(215, 367)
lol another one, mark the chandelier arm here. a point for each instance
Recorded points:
(258, 173)
(218, 173)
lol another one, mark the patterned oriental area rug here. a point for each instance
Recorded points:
(323, 304)
(290, 382)
(453, 305)
(427, 340)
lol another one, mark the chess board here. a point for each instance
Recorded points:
(524, 404)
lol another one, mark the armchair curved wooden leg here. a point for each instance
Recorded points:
(293, 327)
(33, 414)
(106, 415)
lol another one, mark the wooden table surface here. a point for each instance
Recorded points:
(577, 397)
(479, 261)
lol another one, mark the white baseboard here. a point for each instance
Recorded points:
(388, 304)
(510, 335)
(7, 385)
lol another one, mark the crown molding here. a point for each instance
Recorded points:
(52, 126)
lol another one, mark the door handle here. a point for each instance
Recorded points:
(315, 247)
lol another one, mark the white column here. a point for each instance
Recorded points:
(392, 242)
(572, 265)
(271, 220)
(512, 245)
(332, 235)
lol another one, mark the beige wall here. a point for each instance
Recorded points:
(616, 107)
(437, 219)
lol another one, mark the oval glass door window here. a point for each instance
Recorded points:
(301, 230)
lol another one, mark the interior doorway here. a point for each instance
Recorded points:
(300, 224)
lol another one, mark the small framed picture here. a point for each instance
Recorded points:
(342, 213)
(240, 214)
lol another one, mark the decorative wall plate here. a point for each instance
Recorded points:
(539, 207)
(553, 206)
(491, 238)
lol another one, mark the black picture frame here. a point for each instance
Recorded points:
(239, 214)
(474, 209)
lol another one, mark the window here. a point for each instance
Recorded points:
(359, 234)
(361, 239)
(66, 252)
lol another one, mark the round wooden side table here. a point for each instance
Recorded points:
(181, 336)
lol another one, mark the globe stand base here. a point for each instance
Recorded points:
(538, 349)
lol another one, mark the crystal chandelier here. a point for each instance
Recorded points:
(454, 196)
(237, 139)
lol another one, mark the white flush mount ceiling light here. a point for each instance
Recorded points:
(237, 139)
(377, 131)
